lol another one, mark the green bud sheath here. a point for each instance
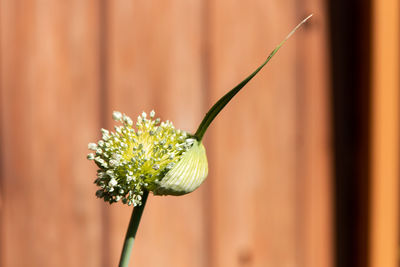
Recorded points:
(187, 175)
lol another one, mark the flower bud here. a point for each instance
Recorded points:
(155, 157)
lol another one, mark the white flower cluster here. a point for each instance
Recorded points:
(132, 161)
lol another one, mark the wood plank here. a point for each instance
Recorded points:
(314, 150)
(49, 111)
(154, 56)
(253, 164)
(270, 164)
(385, 132)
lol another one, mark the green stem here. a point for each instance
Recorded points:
(131, 232)
(214, 110)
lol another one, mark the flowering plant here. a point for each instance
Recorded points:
(155, 158)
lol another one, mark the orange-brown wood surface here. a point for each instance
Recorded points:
(385, 135)
(253, 142)
(49, 110)
(314, 170)
(66, 65)
(272, 188)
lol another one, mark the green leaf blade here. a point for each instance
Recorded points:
(223, 101)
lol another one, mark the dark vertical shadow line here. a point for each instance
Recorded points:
(364, 114)
(350, 63)
(208, 207)
(103, 109)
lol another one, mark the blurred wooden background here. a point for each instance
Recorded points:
(66, 65)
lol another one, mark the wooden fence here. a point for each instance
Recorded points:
(385, 135)
(66, 65)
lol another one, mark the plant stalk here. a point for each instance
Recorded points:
(131, 232)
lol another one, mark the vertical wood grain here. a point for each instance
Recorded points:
(314, 148)
(385, 145)
(66, 65)
(154, 60)
(270, 160)
(253, 141)
(49, 82)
